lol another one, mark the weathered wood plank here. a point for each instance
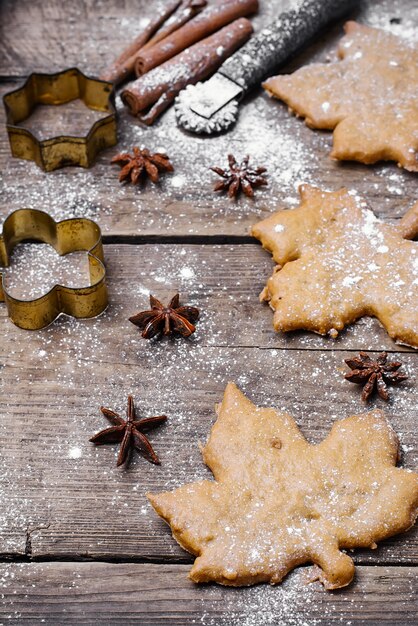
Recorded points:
(152, 595)
(183, 204)
(63, 497)
(223, 281)
(47, 36)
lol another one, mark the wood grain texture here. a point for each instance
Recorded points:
(62, 499)
(47, 36)
(183, 204)
(223, 280)
(153, 595)
(71, 500)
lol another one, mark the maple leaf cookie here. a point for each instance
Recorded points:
(338, 262)
(369, 97)
(278, 501)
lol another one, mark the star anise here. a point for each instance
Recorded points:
(142, 162)
(239, 177)
(166, 320)
(129, 432)
(374, 374)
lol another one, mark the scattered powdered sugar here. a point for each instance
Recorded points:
(392, 16)
(292, 604)
(264, 130)
(66, 193)
(394, 179)
(187, 272)
(97, 194)
(288, 158)
(54, 484)
(289, 604)
(35, 268)
(69, 369)
(348, 262)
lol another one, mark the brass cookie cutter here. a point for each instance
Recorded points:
(70, 235)
(55, 89)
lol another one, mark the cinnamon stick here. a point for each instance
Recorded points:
(148, 96)
(124, 64)
(207, 22)
(186, 10)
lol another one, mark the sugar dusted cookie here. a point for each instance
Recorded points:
(338, 262)
(278, 501)
(370, 97)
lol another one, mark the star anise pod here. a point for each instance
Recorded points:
(129, 432)
(374, 374)
(239, 177)
(166, 319)
(142, 163)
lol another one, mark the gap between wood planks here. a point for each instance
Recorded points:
(159, 560)
(180, 240)
(395, 350)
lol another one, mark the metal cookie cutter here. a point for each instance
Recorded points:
(70, 235)
(56, 89)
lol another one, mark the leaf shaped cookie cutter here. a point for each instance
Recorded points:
(55, 89)
(70, 235)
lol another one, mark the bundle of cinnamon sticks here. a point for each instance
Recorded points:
(186, 42)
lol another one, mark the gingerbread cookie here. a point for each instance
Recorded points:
(369, 97)
(278, 501)
(338, 262)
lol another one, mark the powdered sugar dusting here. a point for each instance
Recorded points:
(69, 369)
(59, 493)
(97, 194)
(34, 269)
(349, 264)
(392, 16)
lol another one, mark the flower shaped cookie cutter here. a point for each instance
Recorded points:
(56, 89)
(70, 235)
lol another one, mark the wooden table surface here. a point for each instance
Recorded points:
(79, 543)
